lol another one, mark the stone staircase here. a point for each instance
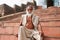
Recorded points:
(9, 26)
(49, 20)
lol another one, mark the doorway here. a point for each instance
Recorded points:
(50, 3)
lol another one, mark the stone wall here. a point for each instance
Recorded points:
(6, 10)
(9, 26)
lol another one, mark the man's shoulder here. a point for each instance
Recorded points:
(35, 16)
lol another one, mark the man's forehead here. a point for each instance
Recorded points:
(30, 7)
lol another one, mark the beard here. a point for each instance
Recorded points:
(28, 13)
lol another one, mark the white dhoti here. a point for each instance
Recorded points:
(27, 34)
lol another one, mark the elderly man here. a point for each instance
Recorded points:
(29, 28)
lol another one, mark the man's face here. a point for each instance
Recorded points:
(29, 10)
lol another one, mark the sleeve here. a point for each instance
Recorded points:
(23, 20)
(35, 21)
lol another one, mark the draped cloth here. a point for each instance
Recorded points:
(29, 34)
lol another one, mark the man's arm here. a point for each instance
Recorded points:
(40, 29)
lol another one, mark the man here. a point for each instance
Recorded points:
(29, 28)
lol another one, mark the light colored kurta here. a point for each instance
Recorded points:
(35, 20)
(28, 34)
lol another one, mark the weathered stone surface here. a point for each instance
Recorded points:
(50, 23)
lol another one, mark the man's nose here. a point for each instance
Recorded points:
(30, 10)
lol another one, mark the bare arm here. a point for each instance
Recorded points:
(40, 30)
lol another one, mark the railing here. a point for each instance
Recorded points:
(11, 15)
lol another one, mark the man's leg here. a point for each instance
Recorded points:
(36, 35)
